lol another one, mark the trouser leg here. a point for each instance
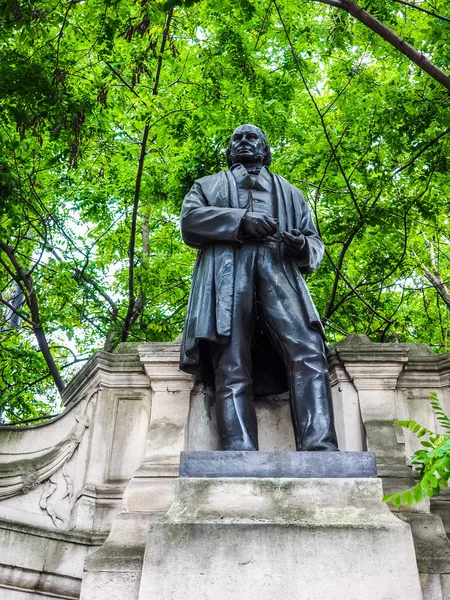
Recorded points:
(303, 351)
(311, 406)
(235, 410)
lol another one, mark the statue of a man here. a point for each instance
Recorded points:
(251, 326)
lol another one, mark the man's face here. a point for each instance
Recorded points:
(246, 144)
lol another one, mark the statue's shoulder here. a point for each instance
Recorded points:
(209, 180)
(289, 186)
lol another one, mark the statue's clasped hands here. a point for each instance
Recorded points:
(293, 243)
(257, 226)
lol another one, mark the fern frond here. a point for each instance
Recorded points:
(415, 427)
(432, 461)
(441, 417)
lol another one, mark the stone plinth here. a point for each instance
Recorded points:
(277, 464)
(271, 538)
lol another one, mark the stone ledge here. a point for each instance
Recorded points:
(73, 536)
(277, 464)
(309, 502)
(108, 370)
(27, 581)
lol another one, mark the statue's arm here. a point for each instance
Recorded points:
(203, 224)
(312, 252)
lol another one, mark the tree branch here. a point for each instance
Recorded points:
(263, 23)
(132, 244)
(23, 388)
(424, 10)
(137, 191)
(102, 293)
(60, 34)
(421, 151)
(32, 302)
(434, 275)
(330, 309)
(15, 311)
(129, 86)
(161, 52)
(321, 117)
(357, 294)
(392, 38)
(336, 3)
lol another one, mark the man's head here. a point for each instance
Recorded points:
(248, 144)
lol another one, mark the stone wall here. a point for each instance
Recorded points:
(66, 484)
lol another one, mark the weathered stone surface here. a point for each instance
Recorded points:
(269, 562)
(430, 541)
(310, 502)
(41, 561)
(275, 431)
(308, 539)
(113, 572)
(111, 585)
(441, 506)
(277, 464)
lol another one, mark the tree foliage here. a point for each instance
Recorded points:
(109, 110)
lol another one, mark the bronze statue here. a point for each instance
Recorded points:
(251, 325)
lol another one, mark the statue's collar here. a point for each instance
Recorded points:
(251, 170)
(246, 178)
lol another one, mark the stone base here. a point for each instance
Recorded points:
(255, 536)
(269, 562)
(308, 539)
(277, 464)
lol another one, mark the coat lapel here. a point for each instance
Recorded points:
(216, 189)
(282, 194)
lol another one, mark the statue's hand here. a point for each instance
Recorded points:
(294, 242)
(257, 226)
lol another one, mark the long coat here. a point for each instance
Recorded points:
(210, 222)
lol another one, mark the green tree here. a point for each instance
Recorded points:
(110, 110)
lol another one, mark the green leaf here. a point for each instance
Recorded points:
(417, 493)
(407, 498)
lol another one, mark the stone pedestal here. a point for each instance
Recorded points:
(271, 538)
(253, 535)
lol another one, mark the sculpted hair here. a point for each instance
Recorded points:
(267, 158)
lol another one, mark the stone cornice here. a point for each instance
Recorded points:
(110, 370)
(161, 363)
(358, 348)
(415, 365)
(171, 350)
(72, 536)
